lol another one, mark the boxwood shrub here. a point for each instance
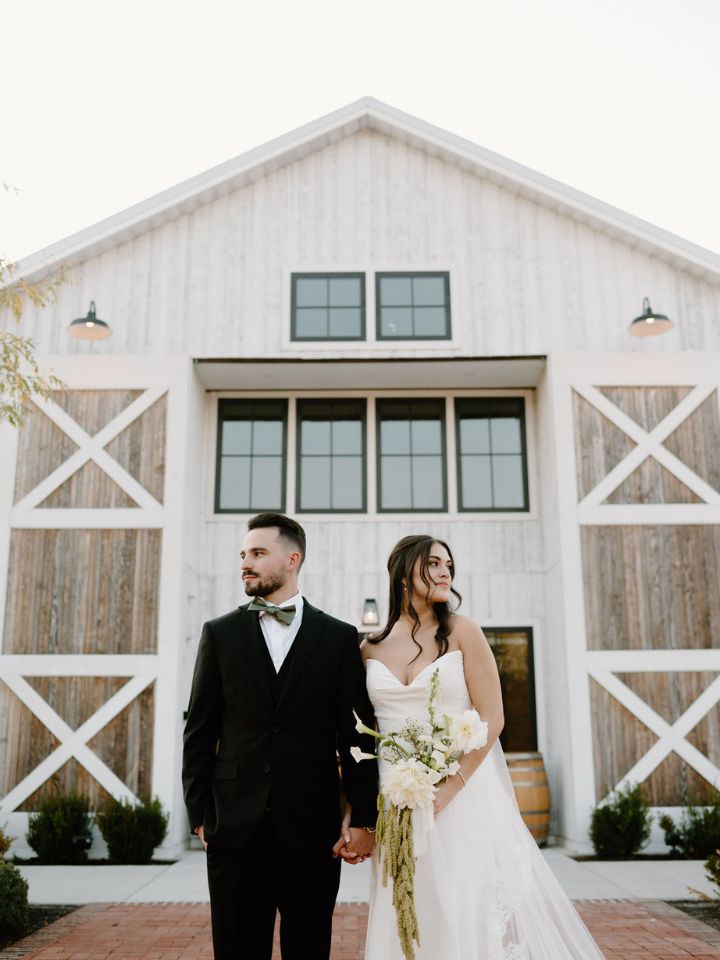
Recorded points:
(620, 825)
(132, 831)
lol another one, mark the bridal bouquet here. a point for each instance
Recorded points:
(419, 757)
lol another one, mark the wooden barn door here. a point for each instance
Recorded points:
(88, 664)
(642, 538)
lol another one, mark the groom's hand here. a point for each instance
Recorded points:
(355, 845)
(200, 831)
(344, 831)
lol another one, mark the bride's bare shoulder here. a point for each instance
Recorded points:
(465, 631)
(366, 648)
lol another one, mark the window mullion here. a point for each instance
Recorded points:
(411, 456)
(371, 467)
(292, 464)
(450, 467)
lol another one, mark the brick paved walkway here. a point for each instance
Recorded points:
(624, 930)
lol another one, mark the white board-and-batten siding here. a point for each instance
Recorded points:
(525, 279)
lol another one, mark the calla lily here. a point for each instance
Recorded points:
(357, 754)
(361, 728)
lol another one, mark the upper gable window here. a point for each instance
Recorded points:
(328, 306)
(413, 306)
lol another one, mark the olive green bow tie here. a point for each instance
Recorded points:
(284, 615)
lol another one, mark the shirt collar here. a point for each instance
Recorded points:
(297, 601)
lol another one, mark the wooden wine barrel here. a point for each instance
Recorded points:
(527, 772)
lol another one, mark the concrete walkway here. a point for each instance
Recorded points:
(185, 881)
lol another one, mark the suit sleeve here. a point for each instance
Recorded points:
(202, 730)
(360, 780)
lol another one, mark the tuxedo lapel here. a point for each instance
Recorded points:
(313, 624)
(256, 650)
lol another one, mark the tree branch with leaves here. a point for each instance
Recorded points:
(21, 379)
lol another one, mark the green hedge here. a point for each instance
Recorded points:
(712, 870)
(132, 831)
(5, 843)
(13, 898)
(60, 831)
(697, 835)
(620, 825)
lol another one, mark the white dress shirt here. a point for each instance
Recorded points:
(279, 636)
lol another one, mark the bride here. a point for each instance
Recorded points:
(482, 888)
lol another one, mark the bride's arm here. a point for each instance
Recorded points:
(483, 682)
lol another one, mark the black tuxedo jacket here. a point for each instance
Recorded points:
(258, 740)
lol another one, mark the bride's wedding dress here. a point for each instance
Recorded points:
(482, 888)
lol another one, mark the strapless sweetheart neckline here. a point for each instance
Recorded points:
(417, 677)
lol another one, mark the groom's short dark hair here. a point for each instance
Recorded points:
(289, 530)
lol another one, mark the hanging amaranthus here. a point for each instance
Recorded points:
(416, 759)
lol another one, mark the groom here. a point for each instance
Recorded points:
(273, 693)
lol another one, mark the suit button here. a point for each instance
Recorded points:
(266, 768)
(276, 729)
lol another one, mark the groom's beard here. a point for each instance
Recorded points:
(262, 588)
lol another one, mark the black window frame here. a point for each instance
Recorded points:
(458, 402)
(444, 274)
(308, 401)
(327, 276)
(224, 402)
(388, 401)
(528, 631)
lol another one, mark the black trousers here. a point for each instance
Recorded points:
(248, 886)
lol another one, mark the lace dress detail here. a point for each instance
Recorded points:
(482, 888)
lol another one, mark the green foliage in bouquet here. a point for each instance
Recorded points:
(712, 869)
(60, 831)
(418, 757)
(697, 835)
(620, 825)
(13, 898)
(395, 841)
(132, 831)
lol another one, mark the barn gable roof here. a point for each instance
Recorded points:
(363, 114)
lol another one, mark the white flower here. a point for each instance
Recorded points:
(408, 783)
(361, 728)
(468, 731)
(425, 738)
(437, 759)
(357, 755)
(453, 768)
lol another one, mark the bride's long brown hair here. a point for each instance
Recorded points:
(400, 568)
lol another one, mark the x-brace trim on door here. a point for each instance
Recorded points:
(92, 448)
(73, 743)
(603, 666)
(648, 443)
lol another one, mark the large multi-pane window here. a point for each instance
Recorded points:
(408, 469)
(251, 455)
(514, 657)
(328, 306)
(492, 472)
(331, 455)
(413, 306)
(411, 455)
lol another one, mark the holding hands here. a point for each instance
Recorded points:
(355, 844)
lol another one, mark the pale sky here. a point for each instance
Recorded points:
(106, 103)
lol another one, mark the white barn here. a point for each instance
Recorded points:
(431, 338)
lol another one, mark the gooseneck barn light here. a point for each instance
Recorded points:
(89, 327)
(649, 323)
